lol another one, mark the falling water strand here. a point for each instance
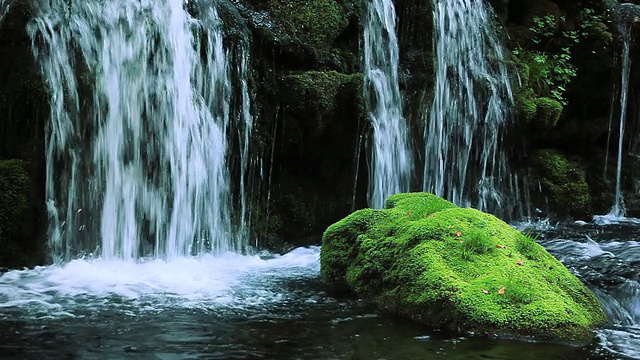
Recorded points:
(463, 158)
(392, 160)
(136, 147)
(244, 135)
(618, 209)
(4, 8)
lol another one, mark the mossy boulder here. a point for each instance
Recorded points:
(548, 112)
(560, 185)
(458, 268)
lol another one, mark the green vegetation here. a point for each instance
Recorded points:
(549, 71)
(321, 88)
(475, 243)
(548, 112)
(308, 28)
(317, 22)
(544, 55)
(562, 181)
(426, 259)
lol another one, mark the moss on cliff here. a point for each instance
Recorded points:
(426, 259)
(318, 93)
(307, 30)
(548, 112)
(562, 183)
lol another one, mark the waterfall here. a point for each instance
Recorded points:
(628, 14)
(137, 146)
(464, 160)
(618, 209)
(392, 161)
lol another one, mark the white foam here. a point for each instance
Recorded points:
(611, 219)
(206, 281)
(621, 341)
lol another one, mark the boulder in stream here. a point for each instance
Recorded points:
(424, 258)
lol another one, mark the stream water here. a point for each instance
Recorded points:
(275, 307)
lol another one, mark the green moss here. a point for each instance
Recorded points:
(548, 112)
(316, 21)
(457, 268)
(475, 243)
(14, 190)
(563, 182)
(526, 108)
(320, 88)
(312, 23)
(316, 95)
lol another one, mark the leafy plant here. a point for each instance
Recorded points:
(549, 72)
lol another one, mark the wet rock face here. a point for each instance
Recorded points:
(628, 13)
(309, 116)
(23, 113)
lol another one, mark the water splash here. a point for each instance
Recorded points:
(225, 281)
(464, 160)
(137, 146)
(392, 159)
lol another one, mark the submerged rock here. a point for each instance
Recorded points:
(458, 268)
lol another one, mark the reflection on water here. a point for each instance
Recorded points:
(232, 307)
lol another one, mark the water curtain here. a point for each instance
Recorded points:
(136, 146)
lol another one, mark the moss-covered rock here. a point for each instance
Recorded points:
(306, 30)
(424, 258)
(525, 106)
(314, 96)
(548, 112)
(560, 185)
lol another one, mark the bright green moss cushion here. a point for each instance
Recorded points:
(424, 258)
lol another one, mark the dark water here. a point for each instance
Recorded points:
(237, 307)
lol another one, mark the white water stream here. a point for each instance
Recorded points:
(464, 159)
(392, 162)
(137, 142)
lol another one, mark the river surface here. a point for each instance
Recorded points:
(275, 307)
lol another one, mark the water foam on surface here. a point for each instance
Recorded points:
(203, 282)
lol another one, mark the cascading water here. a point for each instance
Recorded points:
(618, 209)
(392, 160)
(4, 8)
(628, 15)
(464, 162)
(137, 141)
